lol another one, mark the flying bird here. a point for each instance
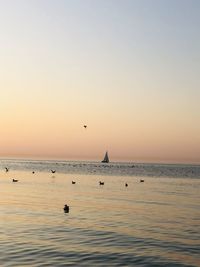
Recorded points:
(85, 126)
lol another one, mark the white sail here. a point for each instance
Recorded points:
(106, 158)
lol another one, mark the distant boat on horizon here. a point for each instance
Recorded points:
(106, 158)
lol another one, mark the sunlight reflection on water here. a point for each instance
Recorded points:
(155, 223)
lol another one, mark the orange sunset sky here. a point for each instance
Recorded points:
(127, 69)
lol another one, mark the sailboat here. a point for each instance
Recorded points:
(106, 158)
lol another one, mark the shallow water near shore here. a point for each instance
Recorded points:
(155, 223)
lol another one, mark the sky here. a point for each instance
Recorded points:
(128, 69)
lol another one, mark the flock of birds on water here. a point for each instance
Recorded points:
(66, 207)
(73, 182)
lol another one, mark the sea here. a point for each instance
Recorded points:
(151, 223)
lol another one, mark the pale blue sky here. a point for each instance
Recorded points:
(130, 69)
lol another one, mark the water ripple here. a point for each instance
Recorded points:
(151, 224)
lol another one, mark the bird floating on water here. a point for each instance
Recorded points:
(66, 208)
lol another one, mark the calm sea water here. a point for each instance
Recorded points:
(155, 223)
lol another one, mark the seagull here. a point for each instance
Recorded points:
(85, 126)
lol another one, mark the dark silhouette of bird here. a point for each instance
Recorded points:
(14, 180)
(101, 183)
(53, 171)
(85, 126)
(66, 208)
(6, 169)
(73, 182)
(141, 181)
(126, 184)
(33, 172)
